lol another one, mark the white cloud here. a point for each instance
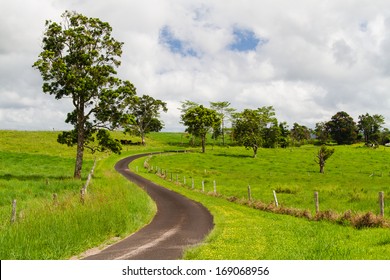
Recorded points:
(319, 57)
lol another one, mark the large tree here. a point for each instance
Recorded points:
(342, 128)
(78, 62)
(370, 126)
(256, 128)
(199, 121)
(300, 133)
(146, 111)
(322, 133)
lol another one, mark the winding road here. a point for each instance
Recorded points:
(179, 223)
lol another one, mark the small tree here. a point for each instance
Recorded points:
(370, 126)
(322, 133)
(300, 133)
(146, 111)
(199, 121)
(224, 111)
(323, 154)
(256, 128)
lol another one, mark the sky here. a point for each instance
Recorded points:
(308, 59)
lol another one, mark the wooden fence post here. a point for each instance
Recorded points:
(13, 214)
(193, 184)
(276, 199)
(317, 202)
(82, 195)
(202, 186)
(55, 199)
(249, 193)
(382, 204)
(215, 187)
(184, 180)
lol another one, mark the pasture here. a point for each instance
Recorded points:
(34, 167)
(353, 177)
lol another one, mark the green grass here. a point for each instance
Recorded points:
(354, 175)
(244, 233)
(35, 166)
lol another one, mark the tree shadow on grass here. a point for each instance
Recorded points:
(233, 156)
(9, 177)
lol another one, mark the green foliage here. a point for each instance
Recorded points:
(322, 156)
(222, 108)
(78, 61)
(199, 121)
(300, 133)
(322, 133)
(146, 111)
(370, 127)
(342, 128)
(256, 128)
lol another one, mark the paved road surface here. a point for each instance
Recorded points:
(179, 223)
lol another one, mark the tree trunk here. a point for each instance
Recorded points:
(255, 151)
(79, 154)
(203, 143)
(322, 168)
(80, 141)
(223, 133)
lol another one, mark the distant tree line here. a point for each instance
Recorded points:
(259, 128)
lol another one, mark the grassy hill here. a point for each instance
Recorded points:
(354, 176)
(33, 167)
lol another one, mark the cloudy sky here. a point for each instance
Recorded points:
(309, 59)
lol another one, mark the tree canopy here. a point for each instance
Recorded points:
(256, 128)
(342, 128)
(199, 121)
(224, 110)
(146, 111)
(78, 62)
(370, 127)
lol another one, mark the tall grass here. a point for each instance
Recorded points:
(47, 229)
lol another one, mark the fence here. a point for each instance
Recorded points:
(83, 192)
(358, 220)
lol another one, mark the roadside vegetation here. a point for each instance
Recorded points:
(34, 167)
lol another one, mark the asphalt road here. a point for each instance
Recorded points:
(179, 223)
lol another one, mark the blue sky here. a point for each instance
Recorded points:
(307, 59)
(245, 40)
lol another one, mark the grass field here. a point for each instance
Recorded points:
(33, 167)
(244, 233)
(354, 175)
